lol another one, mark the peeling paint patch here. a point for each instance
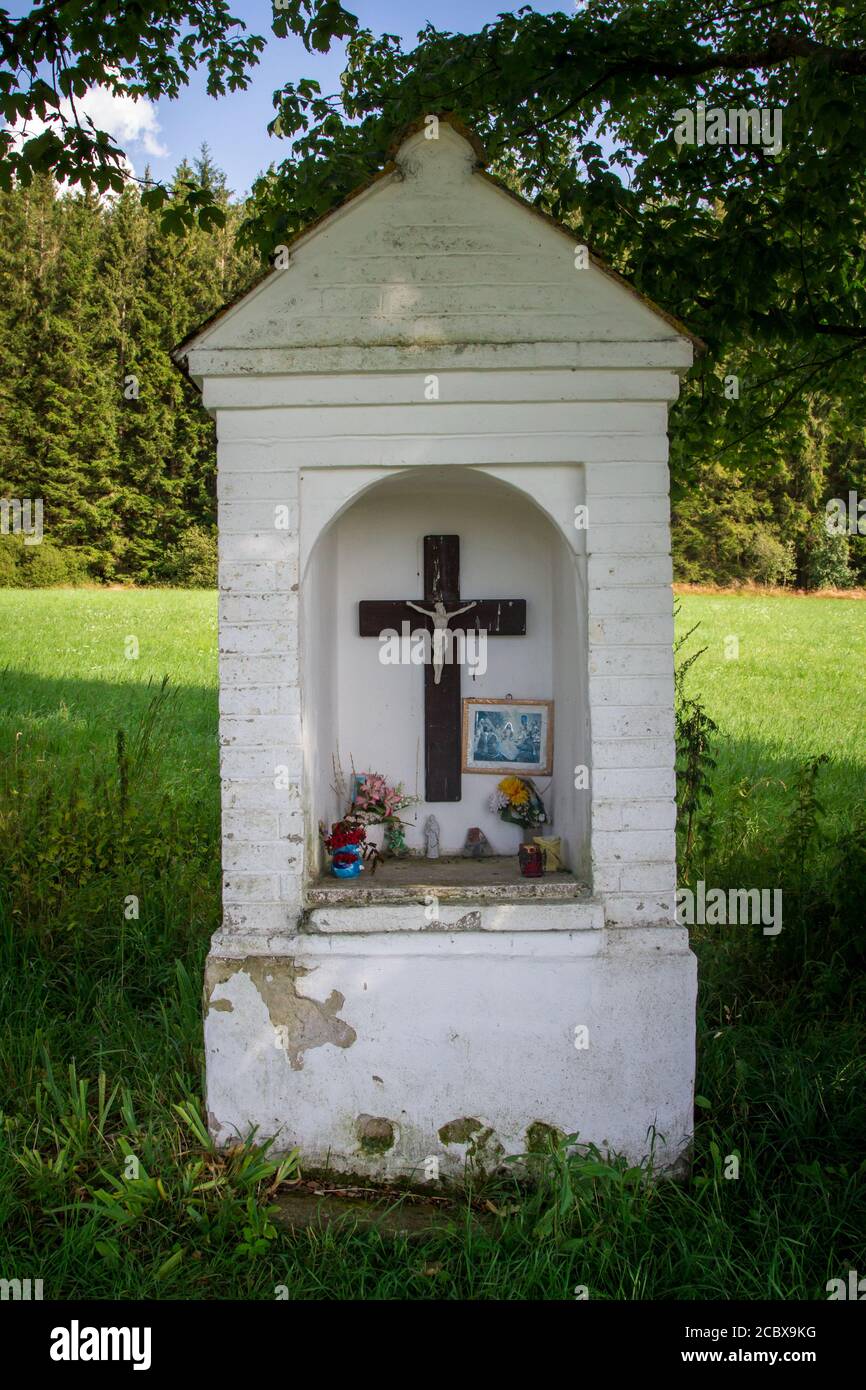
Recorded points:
(483, 1149)
(213, 1125)
(300, 1023)
(542, 1138)
(375, 1133)
(470, 921)
(222, 1006)
(459, 1131)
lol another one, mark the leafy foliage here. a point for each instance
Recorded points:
(763, 255)
(695, 763)
(53, 55)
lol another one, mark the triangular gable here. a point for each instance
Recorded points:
(432, 252)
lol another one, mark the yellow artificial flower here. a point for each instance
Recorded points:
(511, 786)
(520, 798)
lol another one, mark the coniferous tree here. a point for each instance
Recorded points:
(66, 403)
(96, 420)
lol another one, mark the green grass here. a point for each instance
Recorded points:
(794, 690)
(65, 678)
(87, 992)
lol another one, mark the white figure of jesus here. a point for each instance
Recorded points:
(440, 619)
(507, 742)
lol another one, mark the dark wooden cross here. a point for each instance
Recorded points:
(504, 617)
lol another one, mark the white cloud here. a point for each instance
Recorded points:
(132, 123)
(129, 121)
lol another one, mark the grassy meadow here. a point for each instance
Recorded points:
(109, 891)
(791, 688)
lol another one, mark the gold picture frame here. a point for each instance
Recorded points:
(499, 727)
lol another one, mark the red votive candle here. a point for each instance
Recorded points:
(530, 860)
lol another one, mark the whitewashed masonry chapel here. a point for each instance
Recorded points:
(437, 359)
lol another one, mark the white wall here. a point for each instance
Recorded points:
(433, 253)
(508, 549)
(571, 807)
(319, 655)
(621, 698)
(423, 1028)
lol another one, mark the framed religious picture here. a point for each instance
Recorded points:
(508, 736)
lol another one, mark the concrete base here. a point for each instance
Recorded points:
(405, 1053)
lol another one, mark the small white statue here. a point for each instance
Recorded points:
(431, 837)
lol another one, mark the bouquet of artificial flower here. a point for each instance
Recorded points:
(345, 834)
(376, 803)
(516, 800)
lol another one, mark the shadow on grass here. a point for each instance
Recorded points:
(67, 719)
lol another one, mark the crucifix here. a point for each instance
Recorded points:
(441, 603)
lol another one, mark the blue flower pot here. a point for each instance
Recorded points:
(352, 869)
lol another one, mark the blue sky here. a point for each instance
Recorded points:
(235, 126)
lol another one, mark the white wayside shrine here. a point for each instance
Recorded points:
(436, 396)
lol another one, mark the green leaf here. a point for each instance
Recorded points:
(170, 1265)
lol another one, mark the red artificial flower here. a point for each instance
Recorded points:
(343, 834)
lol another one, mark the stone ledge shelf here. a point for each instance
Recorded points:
(460, 917)
(453, 878)
(452, 894)
(453, 881)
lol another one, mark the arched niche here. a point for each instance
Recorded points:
(364, 712)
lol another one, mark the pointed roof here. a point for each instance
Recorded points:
(409, 157)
